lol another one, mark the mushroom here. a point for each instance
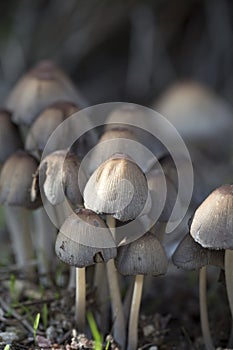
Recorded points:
(118, 188)
(15, 183)
(189, 255)
(141, 257)
(84, 240)
(127, 116)
(46, 122)
(9, 136)
(41, 86)
(212, 227)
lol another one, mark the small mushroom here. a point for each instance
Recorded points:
(128, 115)
(16, 180)
(141, 257)
(9, 136)
(41, 86)
(46, 122)
(118, 187)
(189, 255)
(59, 175)
(212, 227)
(15, 183)
(84, 240)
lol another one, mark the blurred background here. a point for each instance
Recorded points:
(120, 50)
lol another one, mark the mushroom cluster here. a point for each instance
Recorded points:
(110, 196)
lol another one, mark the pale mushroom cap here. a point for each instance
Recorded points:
(60, 178)
(198, 115)
(16, 180)
(127, 116)
(84, 240)
(119, 140)
(10, 139)
(40, 87)
(46, 122)
(189, 255)
(144, 256)
(212, 224)
(117, 187)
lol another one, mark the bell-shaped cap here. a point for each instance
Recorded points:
(189, 255)
(16, 180)
(41, 86)
(84, 240)
(10, 139)
(212, 224)
(200, 117)
(145, 256)
(46, 122)
(161, 187)
(60, 175)
(117, 187)
(127, 116)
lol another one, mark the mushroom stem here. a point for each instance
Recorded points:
(229, 282)
(134, 313)
(44, 238)
(17, 221)
(102, 296)
(80, 299)
(203, 310)
(119, 332)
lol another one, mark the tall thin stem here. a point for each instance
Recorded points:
(203, 310)
(229, 282)
(80, 299)
(119, 332)
(134, 313)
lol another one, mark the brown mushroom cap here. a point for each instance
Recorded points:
(40, 87)
(126, 115)
(60, 178)
(144, 256)
(117, 187)
(189, 255)
(16, 180)
(46, 122)
(212, 224)
(84, 240)
(9, 136)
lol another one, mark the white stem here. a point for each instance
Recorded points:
(229, 280)
(18, 224)
(134, 313)
(203, 310)
(80, 299)
(119, 332)
(102, 296)
(44, 237)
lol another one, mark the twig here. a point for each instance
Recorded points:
(15, 314)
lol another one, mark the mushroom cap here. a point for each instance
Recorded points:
(119, 140)
(126, 115)
(60, 175)
(84, 240)
(189, 255)
(117, 187)
(9, 136)
(144, 256)
(155, 179)
(199, 116)
(212, 224)
(41, 86)
(16, 180)
(46, 122)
